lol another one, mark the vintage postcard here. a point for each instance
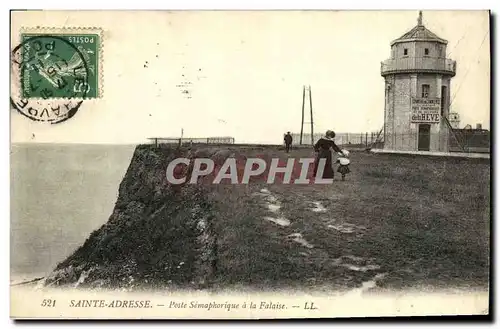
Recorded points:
(249, 164)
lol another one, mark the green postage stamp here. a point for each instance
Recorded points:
(60, 64)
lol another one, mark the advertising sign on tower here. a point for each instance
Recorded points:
(425, 110)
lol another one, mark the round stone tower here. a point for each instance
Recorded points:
(417, 92)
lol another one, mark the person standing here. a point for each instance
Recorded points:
(323, 149)
(344, 162)
(288, 141)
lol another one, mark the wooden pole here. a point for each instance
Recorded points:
(302, 123)
(378, 136)
(312, 124)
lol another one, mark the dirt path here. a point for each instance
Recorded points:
(319, 235)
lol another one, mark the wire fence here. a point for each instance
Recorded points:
(191, 140)
(366, 139)
(456, 141)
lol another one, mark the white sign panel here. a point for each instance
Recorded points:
(425, 110)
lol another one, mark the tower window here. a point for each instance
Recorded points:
(444, 98)
(425, 91)
(405, 52)
(426, 51)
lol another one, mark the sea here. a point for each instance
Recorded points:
(60, 193)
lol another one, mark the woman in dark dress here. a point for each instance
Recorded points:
(323, 151)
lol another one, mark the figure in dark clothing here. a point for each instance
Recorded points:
(288, 141)
(323, 149)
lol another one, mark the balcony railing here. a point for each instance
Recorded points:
(418, 64)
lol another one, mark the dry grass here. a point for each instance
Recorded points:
(424, 221)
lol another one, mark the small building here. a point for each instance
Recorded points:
(417, 92)
(470, 140)
(454, 118)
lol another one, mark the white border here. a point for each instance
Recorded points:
(189, 4)
(256, 4)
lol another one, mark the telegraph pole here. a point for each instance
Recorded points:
(312, 124)
(309, 94)
(302, 124)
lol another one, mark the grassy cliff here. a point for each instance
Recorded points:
(408, 221)
(157, 233)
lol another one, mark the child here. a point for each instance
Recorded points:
(344, 162)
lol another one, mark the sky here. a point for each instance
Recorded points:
(247, 71)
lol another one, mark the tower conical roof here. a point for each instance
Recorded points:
(419, 33)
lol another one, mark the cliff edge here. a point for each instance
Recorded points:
(157, 234)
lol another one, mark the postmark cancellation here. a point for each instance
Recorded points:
(54, 70)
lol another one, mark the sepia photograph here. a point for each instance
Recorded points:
(250, 164)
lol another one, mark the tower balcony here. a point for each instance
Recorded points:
(418, 65)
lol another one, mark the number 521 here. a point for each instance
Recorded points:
(48, 303)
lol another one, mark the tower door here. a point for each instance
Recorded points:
(424, 137)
